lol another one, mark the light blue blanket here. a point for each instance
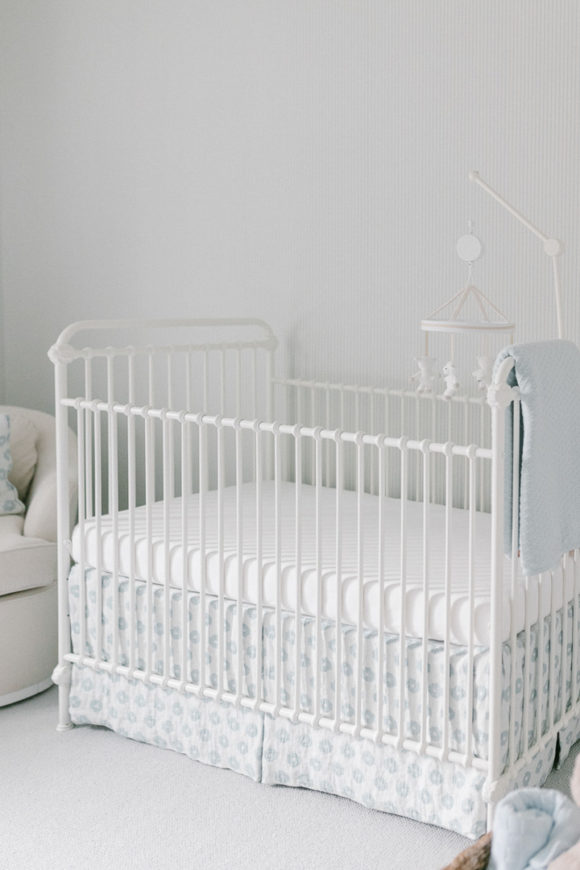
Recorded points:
(531, 828)
(548, 376)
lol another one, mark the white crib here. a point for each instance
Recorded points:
(300, 580)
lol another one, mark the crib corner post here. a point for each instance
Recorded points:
(270, 403)
(60, 355)
(499, 397)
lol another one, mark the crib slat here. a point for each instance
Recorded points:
(312, 422)
(113, 503)
(189, 403)
(387, 458)
(433, 430)
(99, 533)
(240, 561)
(131, 493)
(298, 564)
(514, 565)
(564, 659)
(220, 533)
(81, 446)
(404, 458)
(402, 421)
(205, 380)
(170, 485)
(360, 581)
(167, 495)
(425, 568)
(185, 497)
(471, 495)
(318, 569)
(466, 407)
(381, 591)
(541, 627)
(576, 644)
(448, 539)
(552, 690)
(259, 565)
(149, 500)
(238, 382)
(222, 381)
(150, 377)
(372, 429)
(88, 469)
(338, 561)
(482, 408)
(278, 564)
(527, 675)
(417, 462)
(327, 446)
(202, 459)
(254, 382)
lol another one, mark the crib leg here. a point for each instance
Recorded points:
(490, 814)
(62, 677)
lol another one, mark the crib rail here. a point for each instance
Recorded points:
(396, 412)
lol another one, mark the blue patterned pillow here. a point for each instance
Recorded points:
(9, 501)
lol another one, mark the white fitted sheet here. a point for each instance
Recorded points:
(166, 554)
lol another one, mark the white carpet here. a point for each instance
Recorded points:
(90, 799)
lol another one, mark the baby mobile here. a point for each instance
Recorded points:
(468, 311)
(471, 312)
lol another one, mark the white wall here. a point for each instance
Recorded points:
(302, 161)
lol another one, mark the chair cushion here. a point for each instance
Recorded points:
(9, 501)
(23, 446)
(25, 563)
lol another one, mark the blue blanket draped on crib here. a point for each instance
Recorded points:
(548, 376)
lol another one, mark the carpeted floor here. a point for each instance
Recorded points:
(90, 800)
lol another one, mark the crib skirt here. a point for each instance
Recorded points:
(277, 751)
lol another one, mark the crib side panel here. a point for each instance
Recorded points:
(158, 474)
(460, 420)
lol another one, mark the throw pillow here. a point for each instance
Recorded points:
(23, 439)
(9, 501)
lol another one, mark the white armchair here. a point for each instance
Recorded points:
(28, 558)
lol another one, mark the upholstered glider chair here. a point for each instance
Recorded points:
(28, 551)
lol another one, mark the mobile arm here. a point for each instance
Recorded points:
(552, 247)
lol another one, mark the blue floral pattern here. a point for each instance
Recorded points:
(380, 777)
(9, 501)
(278, 751)
(208, 731)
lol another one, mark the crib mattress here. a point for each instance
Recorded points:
(163, 557)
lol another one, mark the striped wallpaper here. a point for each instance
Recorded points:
(302, 161)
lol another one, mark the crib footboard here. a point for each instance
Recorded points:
(542, 683)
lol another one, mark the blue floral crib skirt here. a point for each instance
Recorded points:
(274, 750)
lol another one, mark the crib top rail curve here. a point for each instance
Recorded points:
(63, 351)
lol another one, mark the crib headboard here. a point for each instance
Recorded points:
(222, 368)
(218, 366)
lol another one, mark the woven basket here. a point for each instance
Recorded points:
(475, 857)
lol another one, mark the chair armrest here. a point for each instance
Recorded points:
(40, 520)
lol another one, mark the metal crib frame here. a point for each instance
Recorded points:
(321, 450)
